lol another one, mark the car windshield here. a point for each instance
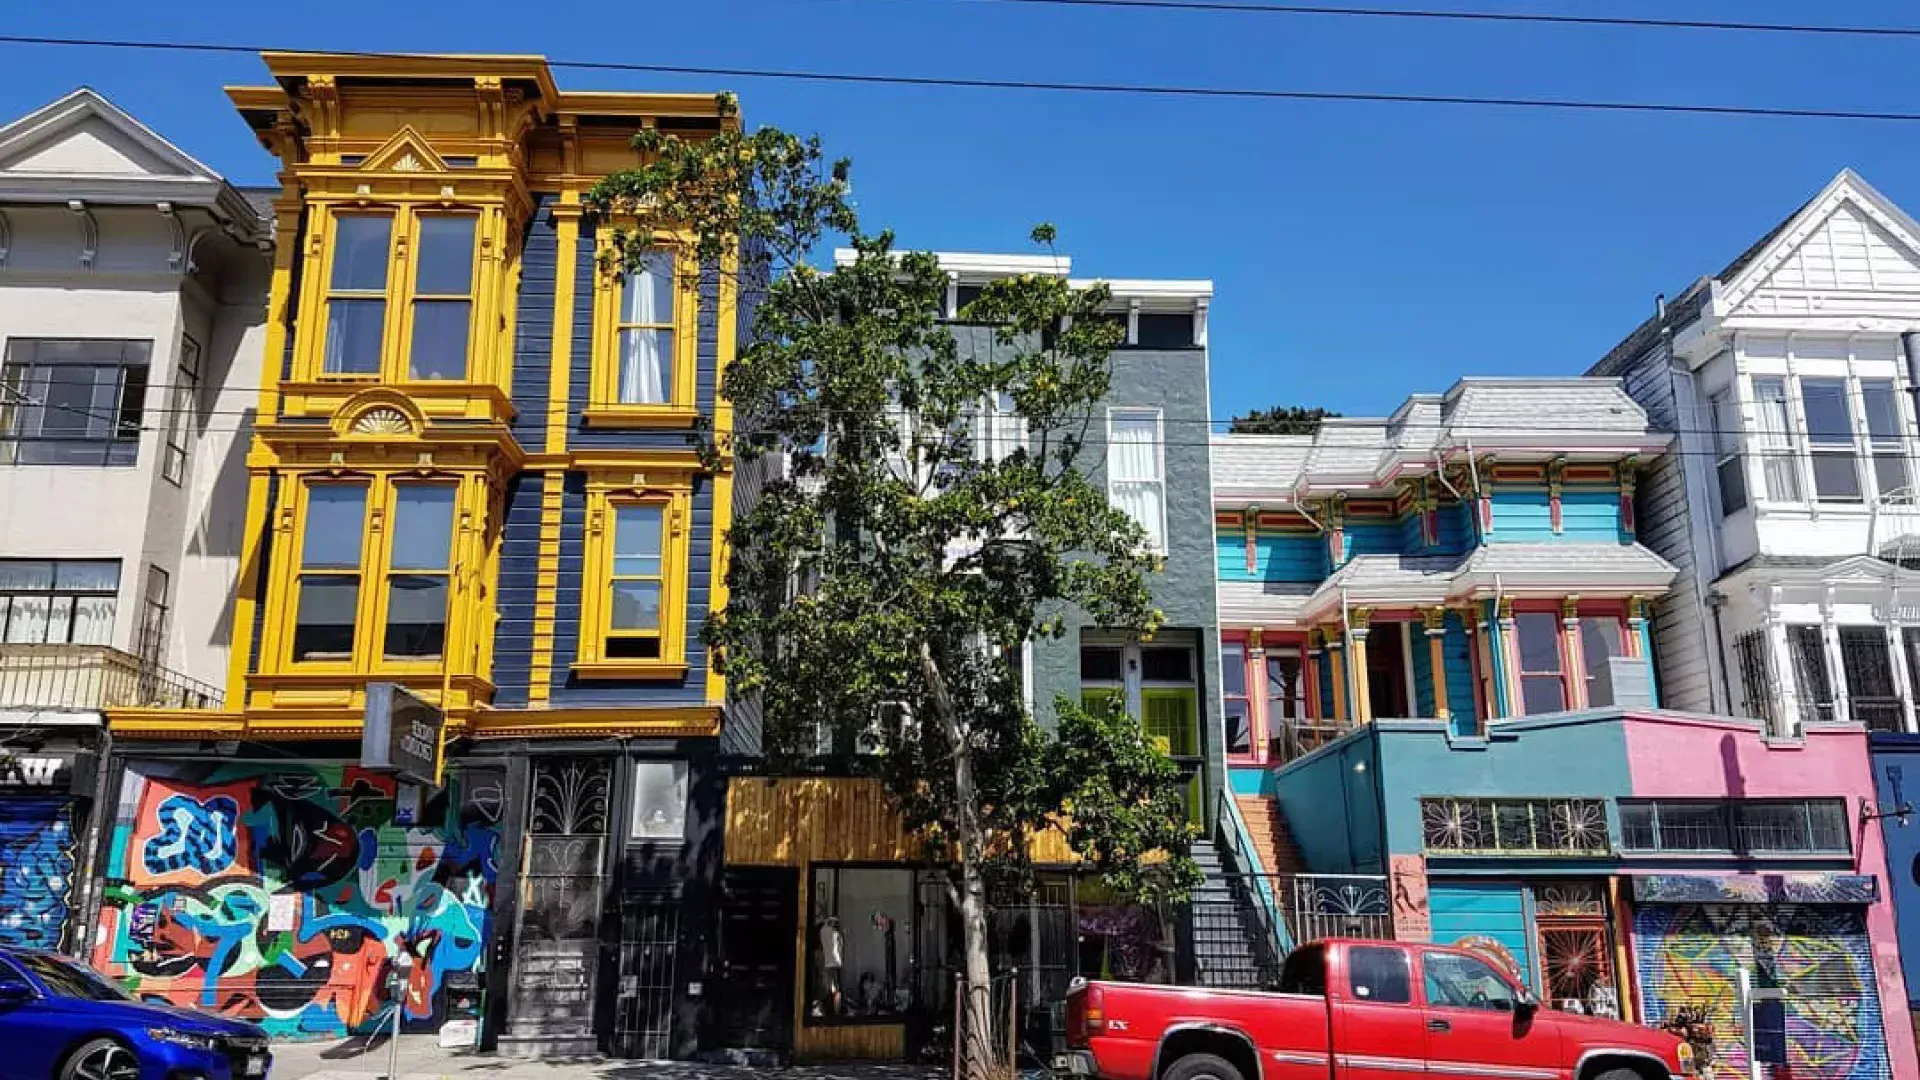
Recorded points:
(65, 978)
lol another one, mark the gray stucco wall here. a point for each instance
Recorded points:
(1174, 381)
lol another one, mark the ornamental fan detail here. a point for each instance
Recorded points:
(384, 420)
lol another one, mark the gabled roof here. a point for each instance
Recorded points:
(87, 148)
(1736, 281)
(1746, 273)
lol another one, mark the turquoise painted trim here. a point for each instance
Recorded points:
(1457, 655)
(1589, 514)
(1293, 557)
(1496, 653)
(1372, 538)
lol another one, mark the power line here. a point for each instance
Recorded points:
(1141, 89)
(1536, 18)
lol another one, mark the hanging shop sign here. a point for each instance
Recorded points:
(401, 734)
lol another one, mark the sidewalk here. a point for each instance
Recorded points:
(420, 1058)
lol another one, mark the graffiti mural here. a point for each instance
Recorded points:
(36, 871)
(285, 894)
(1687, 957)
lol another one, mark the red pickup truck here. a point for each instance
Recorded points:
(1358, 1010)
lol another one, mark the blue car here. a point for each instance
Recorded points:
(61, 1020)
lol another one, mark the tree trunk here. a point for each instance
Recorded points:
(980, 1046)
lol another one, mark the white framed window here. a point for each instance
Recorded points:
(1137, 471)
(1773, 423)
(1836, 466)
(1882, 408)
(1724, 414)
(999, 429)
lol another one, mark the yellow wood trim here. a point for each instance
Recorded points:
(546, 587)
(603, 392)
(628, 669)
(639, 416)
(721, 517)
(673, 492)
(689, 721)
(560, 373)
(518, 67)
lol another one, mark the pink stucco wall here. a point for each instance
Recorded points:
(1686, 756)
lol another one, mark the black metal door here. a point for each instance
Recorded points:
(649, 948)
(557, 952)
(753, 1002)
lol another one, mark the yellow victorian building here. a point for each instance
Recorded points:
(472, 495)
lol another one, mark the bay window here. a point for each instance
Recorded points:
(1774, 435)
(367, 284)
(1836, 471)
(1543, 686)
(1601, 639)
(1233, 690)
(357, 294)
(330, 566)
(1885, 440)
(644, 341)
(1136, 471)
(442, 297)
(374, 552)
(418, 570)
(1724, 411)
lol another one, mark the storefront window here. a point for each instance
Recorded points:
(859, 945)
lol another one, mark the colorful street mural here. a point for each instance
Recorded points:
(36, 871)
(283, 894)
(1687, 957)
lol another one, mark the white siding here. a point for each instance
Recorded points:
(1664, 520)
(1847, 255)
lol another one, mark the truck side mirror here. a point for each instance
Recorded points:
(1526, 1003)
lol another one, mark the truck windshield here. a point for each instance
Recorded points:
(1306, 972)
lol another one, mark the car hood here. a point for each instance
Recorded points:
(146, 1014)
(1604, 1031)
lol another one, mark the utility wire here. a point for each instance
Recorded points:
(1535, 18)
(1198, 92)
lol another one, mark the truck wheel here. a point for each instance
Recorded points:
(1208, 1067)
(1619, 1074)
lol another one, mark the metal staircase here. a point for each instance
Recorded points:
(1240, 938)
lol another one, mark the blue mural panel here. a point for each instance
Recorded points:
(36, 871)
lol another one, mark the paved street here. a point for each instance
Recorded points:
(420, 1058)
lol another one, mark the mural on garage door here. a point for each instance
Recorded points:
(1687, 957)
(282, 893)
(36, 871)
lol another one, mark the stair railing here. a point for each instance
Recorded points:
(1267, 908)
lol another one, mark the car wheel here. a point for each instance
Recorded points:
(1203, 1067)
(101, 1059)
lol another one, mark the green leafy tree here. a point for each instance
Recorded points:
(1281, 420)
(883, 581)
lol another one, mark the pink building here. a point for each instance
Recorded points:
(1695, 926)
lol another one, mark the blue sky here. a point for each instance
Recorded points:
(1358, 252)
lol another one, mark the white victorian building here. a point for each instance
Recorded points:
(1789, 503)
(132, 304)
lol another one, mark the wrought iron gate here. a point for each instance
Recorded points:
(557, 951)
(643, 1012)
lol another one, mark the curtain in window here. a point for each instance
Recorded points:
(1133, 468)
(1775, 436)
(646, 355)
